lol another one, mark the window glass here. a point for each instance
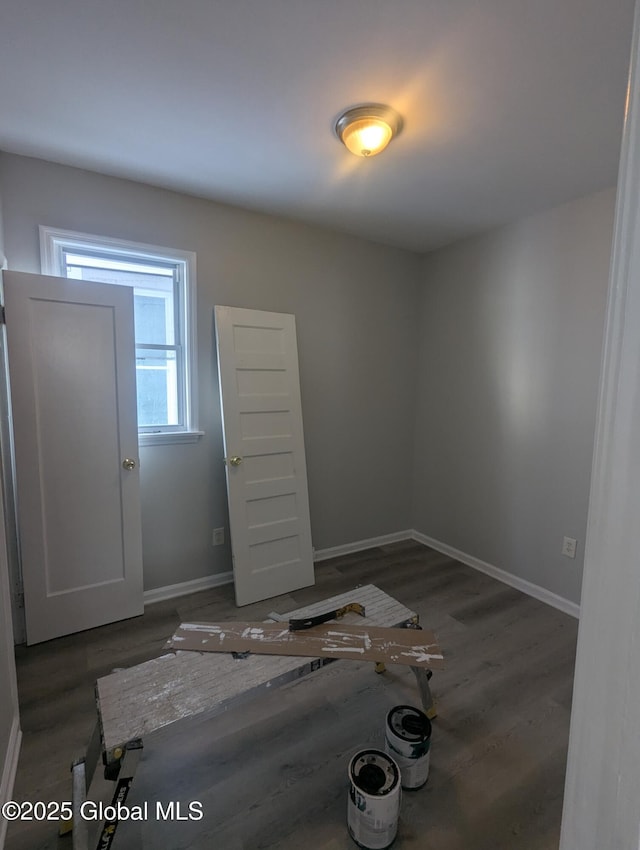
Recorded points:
(153, 315)
(157, 381)
(163, 319)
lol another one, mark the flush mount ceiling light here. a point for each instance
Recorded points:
(366, 130)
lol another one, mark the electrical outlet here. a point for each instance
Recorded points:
(218, 536)
(569, 547)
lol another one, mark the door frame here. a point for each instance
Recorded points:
(603, 770)
(8, 484)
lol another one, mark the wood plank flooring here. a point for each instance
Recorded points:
(273, 773)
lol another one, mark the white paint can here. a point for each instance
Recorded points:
(374, 799)
(408, 742)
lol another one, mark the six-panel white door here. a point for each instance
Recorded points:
(73, 393)
(264, 449)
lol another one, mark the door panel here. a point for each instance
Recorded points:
(72, 374)
(262, 424)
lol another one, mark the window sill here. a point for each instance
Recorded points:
(169, 438)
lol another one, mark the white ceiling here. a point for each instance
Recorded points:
(509, 106)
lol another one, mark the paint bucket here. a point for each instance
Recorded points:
(408, 742)
(374, 799)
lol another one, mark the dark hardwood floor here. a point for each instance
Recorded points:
(273, 773)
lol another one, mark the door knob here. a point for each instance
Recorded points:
(128, 463)
(235, 460)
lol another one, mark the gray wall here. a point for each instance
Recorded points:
(511, 329)
(500, 335)
(355, 307)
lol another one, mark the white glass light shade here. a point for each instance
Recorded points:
(367, 137)
(367, 130)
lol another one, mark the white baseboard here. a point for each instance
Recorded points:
(361, 545)
(171, 591)
(540, 593)
(9, 771)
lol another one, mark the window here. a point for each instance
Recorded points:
(163, 284)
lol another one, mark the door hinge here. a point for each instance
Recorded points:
(3, 320)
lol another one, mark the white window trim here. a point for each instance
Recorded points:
(52, 241)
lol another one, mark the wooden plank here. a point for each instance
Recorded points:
(415, 648)
(135, 702)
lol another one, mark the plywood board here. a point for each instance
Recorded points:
(135, 702)
(415, 648)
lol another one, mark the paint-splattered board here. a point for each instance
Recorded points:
(135, 702)
(336, 640)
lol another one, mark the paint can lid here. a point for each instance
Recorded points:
(409, 723)
(374, 773)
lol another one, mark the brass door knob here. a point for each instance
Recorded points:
(128, 463)
(235, 460)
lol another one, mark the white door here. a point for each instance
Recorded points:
(72, 373)
(264, 449)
